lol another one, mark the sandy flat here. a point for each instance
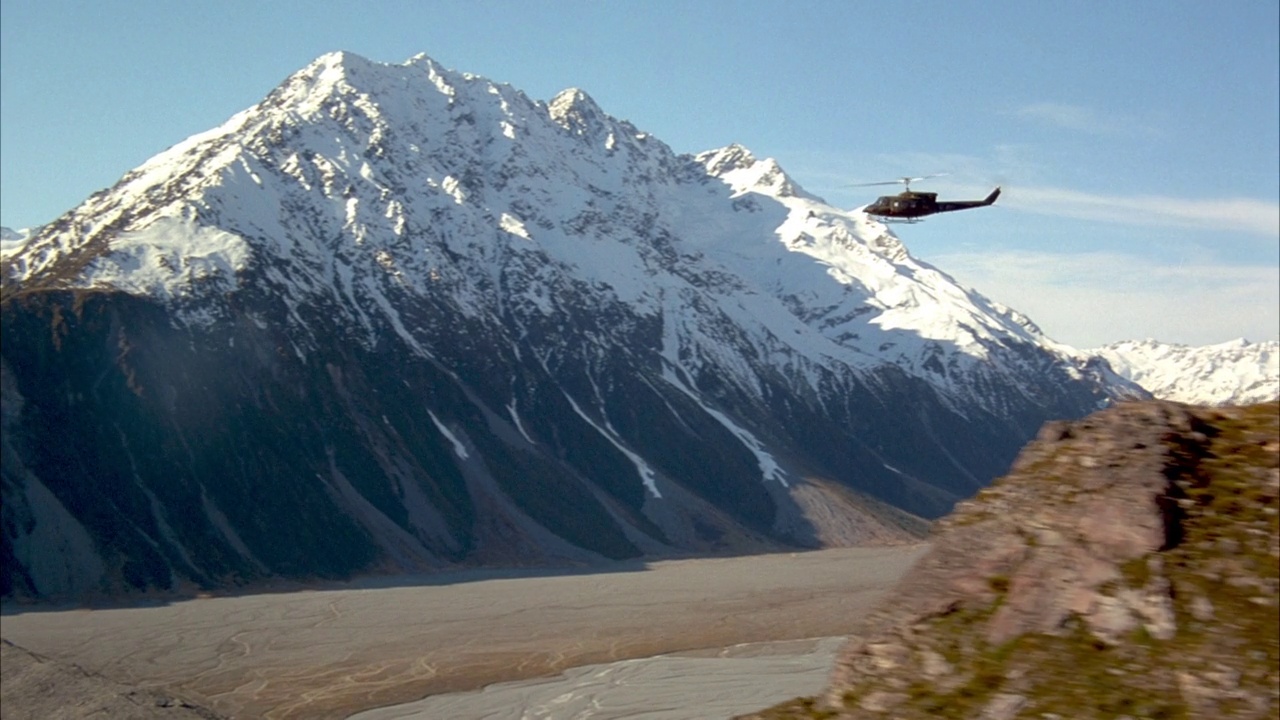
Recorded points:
(680, 686)
(333, 652)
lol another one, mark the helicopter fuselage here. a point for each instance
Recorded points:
(911, 204)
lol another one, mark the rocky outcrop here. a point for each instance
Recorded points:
(1126, 567)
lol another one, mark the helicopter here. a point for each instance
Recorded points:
(910, 206)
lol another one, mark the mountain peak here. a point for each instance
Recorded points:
(422, 59)
(337, 64)
(575, 111)
(336, 58)
(340, 73)
(727, 159)
(323, 77)
(737, 166)
(572, 100)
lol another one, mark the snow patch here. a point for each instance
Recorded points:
(769, 468)
(646, 473)
(458, 448)
(168, 257)
(515, 418)
(512, 224)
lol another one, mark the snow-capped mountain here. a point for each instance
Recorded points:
(422, 319)
(11, 241)
(1236, 372)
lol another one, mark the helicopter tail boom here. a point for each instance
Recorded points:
(966, 204)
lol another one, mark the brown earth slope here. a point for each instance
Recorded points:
(1126, 567)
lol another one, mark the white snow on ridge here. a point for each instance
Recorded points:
(646, 473)
(166, 258)
(769, 467)
(869, 266)
(458, 448)
(515, 418)
(1236, 372)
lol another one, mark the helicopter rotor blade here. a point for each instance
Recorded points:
(900, 181)
(906, 181)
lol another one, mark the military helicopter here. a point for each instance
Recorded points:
(910, 206)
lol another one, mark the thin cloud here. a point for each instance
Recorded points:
(1247, 215)
(1005, 161)
(1087, 120)
(1091, 299)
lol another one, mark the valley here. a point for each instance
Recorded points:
(335, 650)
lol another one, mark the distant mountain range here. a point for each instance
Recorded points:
(12, 240)
(1232, 373)
(401, 317)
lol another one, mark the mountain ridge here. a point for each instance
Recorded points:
(746, 177)
(1236, 372)
(462, 326)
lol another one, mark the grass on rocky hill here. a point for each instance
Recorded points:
(1222, 566)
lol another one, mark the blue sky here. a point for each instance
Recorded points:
(1138, 142)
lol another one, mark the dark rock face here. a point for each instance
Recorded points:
(141, 456)
(188, 463)
(1127, 566)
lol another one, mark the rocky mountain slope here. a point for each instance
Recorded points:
(1232, 373)
(400, 317)
(1126, 567)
